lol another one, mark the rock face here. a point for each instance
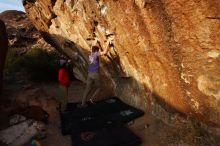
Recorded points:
(21, 133)
(165, 54)
(3, 49)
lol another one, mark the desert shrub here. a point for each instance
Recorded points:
(39, 64)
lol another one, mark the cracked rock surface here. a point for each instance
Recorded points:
(165, 54)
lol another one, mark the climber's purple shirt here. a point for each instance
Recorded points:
(94, 62)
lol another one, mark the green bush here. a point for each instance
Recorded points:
(12, 61)
(40, 64)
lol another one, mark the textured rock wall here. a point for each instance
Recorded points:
(164, 54)
(3, 49)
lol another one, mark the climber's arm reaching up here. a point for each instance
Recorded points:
(106, 49)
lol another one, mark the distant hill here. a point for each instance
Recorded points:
(11, 14)
(21, 33)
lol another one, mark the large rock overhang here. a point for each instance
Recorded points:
(163, 50)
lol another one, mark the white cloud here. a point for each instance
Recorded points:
(6, 6)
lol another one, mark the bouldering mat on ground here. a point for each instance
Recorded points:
(107, 106)
(70, 125)
(104, 113)
(112, 136)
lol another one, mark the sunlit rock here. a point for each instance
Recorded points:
(164, 52)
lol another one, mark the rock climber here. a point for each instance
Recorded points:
(93, 72)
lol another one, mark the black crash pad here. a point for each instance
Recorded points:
(111, 136)
(105, 113)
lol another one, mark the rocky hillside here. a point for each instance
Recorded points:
(165, 54)
(22, 35)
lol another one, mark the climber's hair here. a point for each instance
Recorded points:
(95, 48)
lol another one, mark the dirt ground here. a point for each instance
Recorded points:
(152, 131)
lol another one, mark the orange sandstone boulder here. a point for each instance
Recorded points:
(165, 54)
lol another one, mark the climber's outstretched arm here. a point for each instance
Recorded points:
(106, 49)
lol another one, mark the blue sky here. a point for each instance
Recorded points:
(11, 5)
